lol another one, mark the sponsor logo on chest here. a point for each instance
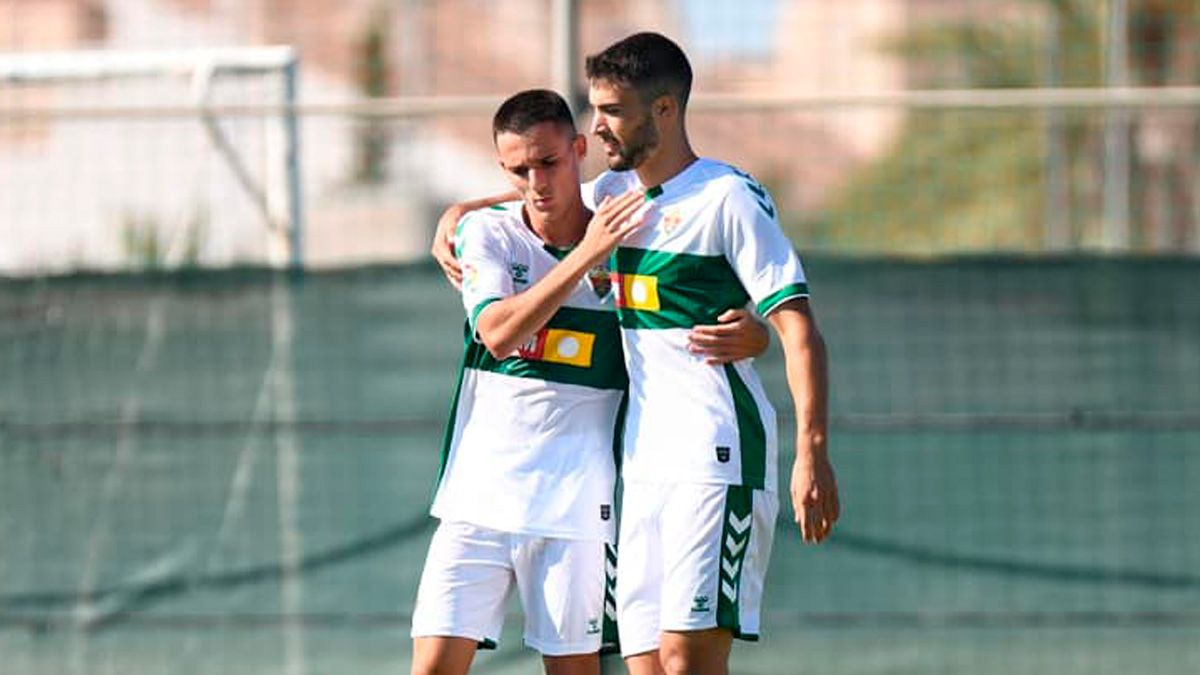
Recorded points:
(555, 345)
(636, 291)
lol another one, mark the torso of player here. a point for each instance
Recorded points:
(689, 421)
(530, 444)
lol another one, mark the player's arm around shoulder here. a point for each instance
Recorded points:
(443, 247)
(814, 489)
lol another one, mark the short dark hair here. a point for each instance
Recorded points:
(649, 63)
(530, 107)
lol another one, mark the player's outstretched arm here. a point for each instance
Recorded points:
(443, 239)
(505, 324)
(737, 335)
(814, 486)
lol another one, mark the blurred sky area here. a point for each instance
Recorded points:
(720, 29)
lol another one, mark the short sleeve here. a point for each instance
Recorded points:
(483, 253)
(607, 184)
(588, 192)
(755, 246)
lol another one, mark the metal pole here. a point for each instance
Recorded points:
(295, 186)
(1058, 204)
(564, 50)
(1116, 133)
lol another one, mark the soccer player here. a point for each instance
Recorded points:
(526, 487)
(700, 445)
(525, 490)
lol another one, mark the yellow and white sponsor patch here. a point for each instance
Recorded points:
(638, 291)
(555, 345)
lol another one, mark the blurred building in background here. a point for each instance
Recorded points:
(849, 175)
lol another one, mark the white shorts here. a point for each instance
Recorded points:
(693, 557)
(471, 571)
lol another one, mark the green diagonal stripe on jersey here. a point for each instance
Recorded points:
(448, 436)
(752, 436)
(607, 363)
(691, 289)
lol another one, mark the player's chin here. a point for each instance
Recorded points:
(618, 162)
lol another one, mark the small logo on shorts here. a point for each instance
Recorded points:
(593, 626)
(700, 604)
(605, 512)
(722, 453)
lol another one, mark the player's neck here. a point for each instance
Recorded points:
(668, 161)
(560, 230)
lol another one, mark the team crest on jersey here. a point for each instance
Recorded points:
(723, 453)
(605, 511)
(600, 281)
(470, 276)
(670, 221)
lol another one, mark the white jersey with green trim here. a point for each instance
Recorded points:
(712, 242)
(529, 447)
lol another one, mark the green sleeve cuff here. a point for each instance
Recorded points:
(774, 300)
(473, 321)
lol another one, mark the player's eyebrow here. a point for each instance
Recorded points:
(542, 160)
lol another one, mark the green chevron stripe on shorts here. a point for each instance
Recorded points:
(609, 642)
(735, 539)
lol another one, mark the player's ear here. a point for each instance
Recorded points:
(664, 106)
(580, 146)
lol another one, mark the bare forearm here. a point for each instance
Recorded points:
(814, 489)
(808, 380)
(505, 324)
(484, 202)
(807, 371)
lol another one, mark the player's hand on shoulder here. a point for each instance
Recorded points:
(614, 219)
(442, 249)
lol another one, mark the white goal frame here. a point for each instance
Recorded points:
(278, 198)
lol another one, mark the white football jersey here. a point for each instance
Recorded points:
(712, 242)
(529, 447)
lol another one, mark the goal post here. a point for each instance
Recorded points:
(259, 155)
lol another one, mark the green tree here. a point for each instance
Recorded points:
(974, 179)
(374, 74)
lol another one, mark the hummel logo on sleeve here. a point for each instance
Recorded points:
(519, 272)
